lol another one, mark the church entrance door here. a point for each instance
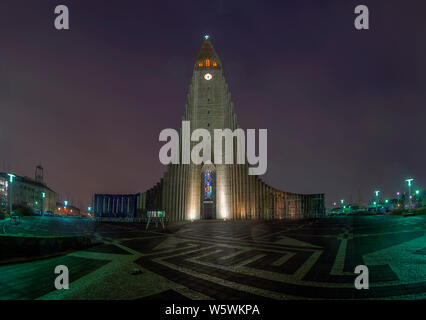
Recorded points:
(208, 210)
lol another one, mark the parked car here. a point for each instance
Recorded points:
(336, 210)
(373, 209)
(357, 209)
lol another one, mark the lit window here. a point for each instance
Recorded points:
(207, 62)
(200, 64)
(208, 185)
(214, 64)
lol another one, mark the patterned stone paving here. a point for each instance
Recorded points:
(253, 260)
(33, 279)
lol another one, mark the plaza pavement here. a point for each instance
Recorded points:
(309, 259)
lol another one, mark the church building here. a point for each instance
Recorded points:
(212, 191)
(224, 191)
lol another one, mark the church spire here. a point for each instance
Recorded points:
(207, 57)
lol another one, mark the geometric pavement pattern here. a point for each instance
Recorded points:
(289, 260)
(227, 260)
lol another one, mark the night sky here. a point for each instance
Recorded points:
(345, 109)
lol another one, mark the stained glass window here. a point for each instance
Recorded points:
(208, 185)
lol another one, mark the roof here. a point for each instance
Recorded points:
(25, 180)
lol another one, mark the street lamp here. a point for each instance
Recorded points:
(377, 198)
(418, 197)
(11, 176)
(43, 196)
(409, 182)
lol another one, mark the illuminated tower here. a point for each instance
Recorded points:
(39, 174)
(225, 191)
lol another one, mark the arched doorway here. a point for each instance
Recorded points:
(208, 192)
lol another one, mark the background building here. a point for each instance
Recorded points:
(68, 210)
(115, 207)
(27, 192)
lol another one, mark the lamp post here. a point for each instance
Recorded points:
(409, 182)
(418, 203)
(43, 196)
(377, 197)
(11, 176)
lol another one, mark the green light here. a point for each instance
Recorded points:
(374, 202)
(386, 200)
(65, 203)
(11, 176)
(417, 192)
(43, 195)
(342, 201)
(409, 181)
(377, 193)
(206, 37)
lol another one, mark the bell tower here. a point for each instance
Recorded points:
(208, 107)
(39, 174)
(220, 191)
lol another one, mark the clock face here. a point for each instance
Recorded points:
(208, 76)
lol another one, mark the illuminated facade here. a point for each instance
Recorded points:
(4, 185)
(224, 191)
(113, 207)
(27, 192)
